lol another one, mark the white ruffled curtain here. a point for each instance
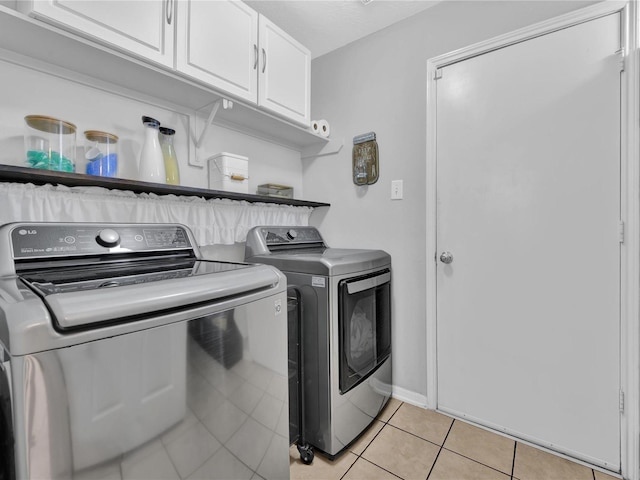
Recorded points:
(213, 222)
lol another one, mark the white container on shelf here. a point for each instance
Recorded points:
(229, 172)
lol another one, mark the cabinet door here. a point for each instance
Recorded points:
(285, 72)
(218, 45)
(142, 27)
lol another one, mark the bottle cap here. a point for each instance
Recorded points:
(167, 131)
(150, 121)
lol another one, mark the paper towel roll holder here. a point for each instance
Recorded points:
(365, 159)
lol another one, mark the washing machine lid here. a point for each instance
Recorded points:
(79, 277)
(81, 302)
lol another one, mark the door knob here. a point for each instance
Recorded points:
(446, 257)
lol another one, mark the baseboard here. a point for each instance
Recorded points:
(408, 396)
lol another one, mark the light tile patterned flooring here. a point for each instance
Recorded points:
(409, 442)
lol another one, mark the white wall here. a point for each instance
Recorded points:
(379, 84)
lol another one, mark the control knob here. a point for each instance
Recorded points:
(292, 234)
(108, 237)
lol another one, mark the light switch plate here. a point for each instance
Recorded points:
(396, 189)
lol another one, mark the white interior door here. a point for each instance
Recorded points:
(528, 191)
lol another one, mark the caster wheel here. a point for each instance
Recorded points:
(306, 453)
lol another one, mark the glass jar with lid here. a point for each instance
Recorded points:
(50, 143)
(101, 152)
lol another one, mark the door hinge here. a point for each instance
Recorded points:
(621, 401)
(438, 74)
(621, 231)
(621, 59)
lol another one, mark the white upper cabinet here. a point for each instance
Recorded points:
(218, 45)
(285, 74)
(142, 27)
(223, 44)
(226, 44)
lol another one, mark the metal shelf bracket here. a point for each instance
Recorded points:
(196, 157)
(226, 105)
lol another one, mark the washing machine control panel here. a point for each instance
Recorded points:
(57, 240)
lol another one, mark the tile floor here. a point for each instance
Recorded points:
(410, 443)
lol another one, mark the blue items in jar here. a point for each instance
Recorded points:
(101, 152)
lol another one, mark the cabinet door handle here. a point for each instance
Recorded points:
(264, 60)
(169, 11)
(255, 56)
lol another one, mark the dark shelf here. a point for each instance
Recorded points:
(10, 173)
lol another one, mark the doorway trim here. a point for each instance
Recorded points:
(629, 208)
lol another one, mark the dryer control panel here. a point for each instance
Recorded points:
(271, 239)
(289, 235)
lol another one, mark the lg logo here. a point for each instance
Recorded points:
(27, 232)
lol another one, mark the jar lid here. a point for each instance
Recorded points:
(48, 124)
(102, 137)
(167, 131)
(150, 121)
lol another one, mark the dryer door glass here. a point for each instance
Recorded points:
(365, 326)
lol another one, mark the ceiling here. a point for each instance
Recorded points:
(325, 25)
